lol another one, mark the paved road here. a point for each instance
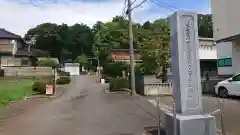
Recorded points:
(231, 117)
(85, 109)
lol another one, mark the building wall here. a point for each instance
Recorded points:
(7, 61)
(5, 45)
(226, 18)
(10, 61)
(28, 71)
(236, 57)
(207, 49)
(224, 51)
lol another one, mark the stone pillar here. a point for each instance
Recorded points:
(187, 91)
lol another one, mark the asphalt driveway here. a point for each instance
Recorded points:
(211, 104)
(84, 109)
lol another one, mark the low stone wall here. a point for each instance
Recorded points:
(28, 71)
(156, 89)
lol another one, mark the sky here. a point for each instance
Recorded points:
(18, 16)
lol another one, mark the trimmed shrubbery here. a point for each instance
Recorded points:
(1, 73)
(39, 87)
(63, 80)
(63, 73)
(114, 69)
(47, 63)
(118, 84)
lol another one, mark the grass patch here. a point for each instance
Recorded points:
(14, 89)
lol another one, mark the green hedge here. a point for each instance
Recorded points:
(40, 87)
(118, 84)
(1, 73)
(47, 63)
(114, 69)
(63, 73)
(63, 80)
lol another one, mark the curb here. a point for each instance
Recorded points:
(116, 92)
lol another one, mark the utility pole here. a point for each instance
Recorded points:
(132, 62)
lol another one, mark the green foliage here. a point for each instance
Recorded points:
(114, 69)
(118, 84)
(61, 41)
(1, 73)
(63, 80)
(149, 65)
(82, 60)
(14, 89)
(47, 63)
(40, 87)
(205, 25)
(63, 73)
(40, 53)
(71, 42)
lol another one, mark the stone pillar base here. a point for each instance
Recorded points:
(189, 125)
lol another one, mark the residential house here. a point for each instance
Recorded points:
(226, 30)
(13, 50)
(207, 56)
(124, 55)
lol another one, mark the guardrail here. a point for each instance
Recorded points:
(155, 89)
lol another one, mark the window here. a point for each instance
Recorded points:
(24, 62)
(236, 78)
(226, 62)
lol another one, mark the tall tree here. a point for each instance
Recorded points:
(61, 41)
(205, 25)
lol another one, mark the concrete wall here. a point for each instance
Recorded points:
(226, 18)
(225, 50)
(207, 49)
(10, 61)
(236, 57)
(28, 71)
(7, 45)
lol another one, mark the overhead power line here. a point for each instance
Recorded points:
(161, 5)
(171, 6)
(138, 5)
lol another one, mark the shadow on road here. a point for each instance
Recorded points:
(154, 130)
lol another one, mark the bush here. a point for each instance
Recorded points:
(39, 87)
(47, 63)
(63, 80)
(118, 84)
(63, 73)
(1, 73)
(114, 69)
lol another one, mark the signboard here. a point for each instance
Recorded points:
(225, 62)
(185, 63)
(49, 89)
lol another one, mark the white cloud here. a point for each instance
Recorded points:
(18, 17)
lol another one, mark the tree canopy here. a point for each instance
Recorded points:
(73, 43)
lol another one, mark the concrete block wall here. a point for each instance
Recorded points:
(28, 71)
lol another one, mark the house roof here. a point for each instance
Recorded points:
(8, 35)
(235, 37)
(23, 52)
(124, 50)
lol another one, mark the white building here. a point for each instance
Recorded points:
(226, 29)
(207, 56)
